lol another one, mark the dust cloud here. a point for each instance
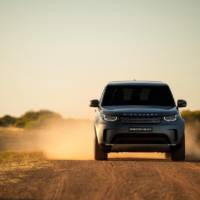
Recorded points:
(192, 141)
(67, 139)
(71, 141)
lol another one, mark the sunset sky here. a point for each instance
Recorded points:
(59, 54)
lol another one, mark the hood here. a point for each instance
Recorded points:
(161, 110)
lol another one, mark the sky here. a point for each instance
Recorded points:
(58, 55)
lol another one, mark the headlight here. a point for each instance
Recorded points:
(109, 118)
(170, 118)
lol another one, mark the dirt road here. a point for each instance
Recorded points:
(114, 179)
(26, 176)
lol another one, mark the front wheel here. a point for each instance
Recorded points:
(178, 152)
(99, 154)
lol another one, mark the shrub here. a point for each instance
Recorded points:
(7, 120)
(30, 119)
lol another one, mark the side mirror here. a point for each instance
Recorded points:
(94, 103)
(181, 103)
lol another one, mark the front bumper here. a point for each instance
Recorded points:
(117, 137)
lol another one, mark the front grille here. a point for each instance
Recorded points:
(140, 120)
(138, 138)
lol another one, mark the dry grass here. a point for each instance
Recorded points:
(6, 156)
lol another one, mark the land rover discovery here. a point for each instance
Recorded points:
(135, 116)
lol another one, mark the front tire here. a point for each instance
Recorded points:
(178, 152)
(99, 154)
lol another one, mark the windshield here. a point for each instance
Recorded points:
(137, 95)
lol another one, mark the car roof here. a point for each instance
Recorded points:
(133, 82)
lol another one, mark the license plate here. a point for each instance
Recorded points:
(138, 130)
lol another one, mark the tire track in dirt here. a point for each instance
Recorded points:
(59, 185)
(125, 180)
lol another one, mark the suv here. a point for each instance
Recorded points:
(135, 116)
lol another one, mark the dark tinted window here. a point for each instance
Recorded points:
(137, 95)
